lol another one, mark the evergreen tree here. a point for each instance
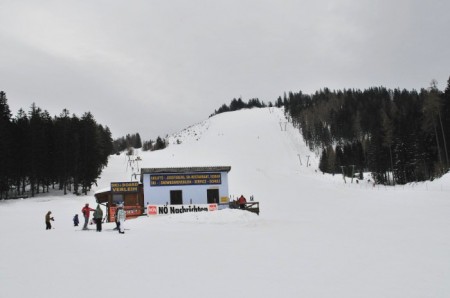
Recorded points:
(138, 142)
(323, 163)
(63, 146)
(446, 121)
(431, 119)
(279, 102)
(21, 152)
(148, 145)
(47, 173)
(37, 148)
(222, 109)
(90, 152)
(237, 104)
(159, 144)
(387, 133)
(5, 145)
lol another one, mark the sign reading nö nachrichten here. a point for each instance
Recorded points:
(179, 209)
(124, 186)
(185, 179)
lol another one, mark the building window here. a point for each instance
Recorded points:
(176, 197)
(212, 196)
(117, 198)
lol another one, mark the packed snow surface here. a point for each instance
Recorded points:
(316, 236)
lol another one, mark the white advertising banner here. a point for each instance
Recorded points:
(179, 209)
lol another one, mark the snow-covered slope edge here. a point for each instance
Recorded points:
(315, 236)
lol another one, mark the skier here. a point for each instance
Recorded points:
(86, 212)
(121, 216)
(98, 217)
(76, 221)
(116, 219)
(48, 218)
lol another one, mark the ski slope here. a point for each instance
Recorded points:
(315, 236)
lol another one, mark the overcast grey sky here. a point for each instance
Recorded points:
(156, 67)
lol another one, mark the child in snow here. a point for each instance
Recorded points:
(48, 218)
(75, 220)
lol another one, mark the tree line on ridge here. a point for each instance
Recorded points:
(400, 136)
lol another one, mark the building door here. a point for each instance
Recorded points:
(176, 197)
(213, 196)
(131, 199)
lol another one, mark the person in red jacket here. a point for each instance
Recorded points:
(86, 212)
(242, 201)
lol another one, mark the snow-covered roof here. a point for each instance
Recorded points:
(106, 189)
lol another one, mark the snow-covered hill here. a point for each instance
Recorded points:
(315, 236)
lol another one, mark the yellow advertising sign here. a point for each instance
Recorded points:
(124, 186)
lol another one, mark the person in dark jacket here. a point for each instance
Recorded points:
(76, 221)
(48, 218)
(98, 217)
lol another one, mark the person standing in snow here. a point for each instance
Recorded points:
(116, 219)
(121, 217)
(86, 212)
(48, 218)
(98, 217)
(76, 221)
(242, 202)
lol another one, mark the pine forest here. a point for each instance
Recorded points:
(39, 152)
